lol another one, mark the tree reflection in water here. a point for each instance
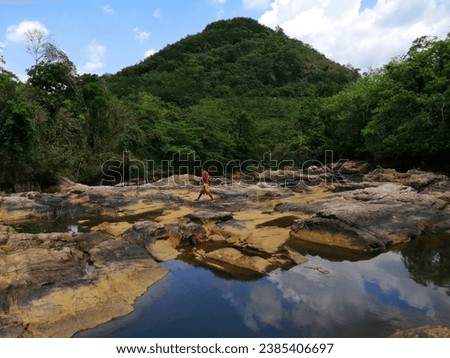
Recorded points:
(428, 260)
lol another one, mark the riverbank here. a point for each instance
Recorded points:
(55, 283)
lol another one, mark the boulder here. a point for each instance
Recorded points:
(368, 220)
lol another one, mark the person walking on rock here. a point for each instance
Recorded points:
(205, 185)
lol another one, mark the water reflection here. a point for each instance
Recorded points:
(428, 260)
(263, 306)
(363, 299)
(369, 298)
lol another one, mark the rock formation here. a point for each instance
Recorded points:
(80, 256)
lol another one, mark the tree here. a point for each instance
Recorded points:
(347, 114)
(53, 77)
(412, 114)
(244, 131)
(17, 134)
(37, 40)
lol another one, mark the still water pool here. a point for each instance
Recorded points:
(375, 297)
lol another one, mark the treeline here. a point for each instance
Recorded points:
(57, 123)
(399, 114)
(231, 93)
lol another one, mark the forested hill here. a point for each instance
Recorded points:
(230, 94)
(237, 57)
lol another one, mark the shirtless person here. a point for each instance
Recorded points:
(205, 185)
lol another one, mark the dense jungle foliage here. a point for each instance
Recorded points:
(230, 94)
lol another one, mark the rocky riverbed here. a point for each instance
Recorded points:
(80, 256)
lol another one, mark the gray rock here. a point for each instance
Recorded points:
(370, 219)
(416, 179)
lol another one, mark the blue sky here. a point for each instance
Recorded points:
(103, 36)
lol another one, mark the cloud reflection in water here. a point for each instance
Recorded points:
(364, 298)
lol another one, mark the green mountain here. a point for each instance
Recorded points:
(237, 57)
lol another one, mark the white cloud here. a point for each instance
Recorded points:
(141, 36)
(107, 9)
(219, 1)
(157, 13)
(95, 53)
(17, 33)
(150, 52)
(256, 4)
(364, 38)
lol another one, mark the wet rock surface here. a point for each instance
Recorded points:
(82, 255)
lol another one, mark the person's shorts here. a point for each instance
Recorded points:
(205, 189)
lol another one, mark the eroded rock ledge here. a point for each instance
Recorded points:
(371, 219)
(54, 283)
